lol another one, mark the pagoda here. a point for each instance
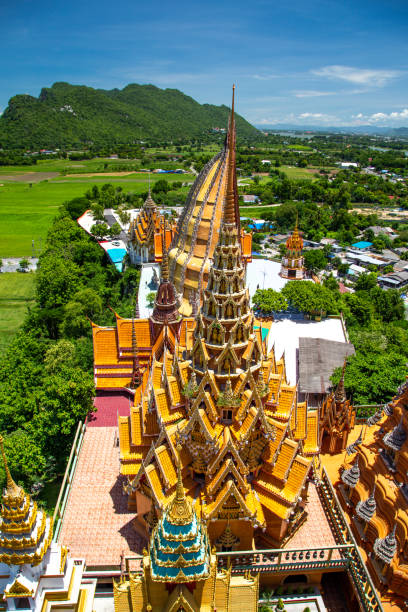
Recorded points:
(36, 573)
(292, 266)
(125, 351)
(147, 241)
(378, 501)
(179, 572)
(197, 231)
(246, 443)
(337, 419)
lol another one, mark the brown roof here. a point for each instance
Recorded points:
(318, 359)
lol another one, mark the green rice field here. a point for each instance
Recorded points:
(16, 293)
(27, 207)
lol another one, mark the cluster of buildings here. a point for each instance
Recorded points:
(199, 481)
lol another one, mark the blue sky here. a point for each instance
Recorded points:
(320, 62)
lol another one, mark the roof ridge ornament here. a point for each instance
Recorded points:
(179, 511)
(12, 489)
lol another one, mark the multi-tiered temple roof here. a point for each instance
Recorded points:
(379, 500)
(147, 241)
(198, 228)
(25, 530)
(244, 438)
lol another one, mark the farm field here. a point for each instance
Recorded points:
(254, 212)
(16, 293)
(26, 211)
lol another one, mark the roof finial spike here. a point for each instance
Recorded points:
(165, 259)
(231, 196)
(180, 489)
(340, 394)
(12, 489)
(136, 373)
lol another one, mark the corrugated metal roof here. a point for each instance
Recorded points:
(318, 359)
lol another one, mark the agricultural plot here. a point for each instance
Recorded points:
(27, 208)
(16, 294)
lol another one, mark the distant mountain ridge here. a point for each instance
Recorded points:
(397, 132)
(67, 115)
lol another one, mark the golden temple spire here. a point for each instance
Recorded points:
(230, 210)
(136, 373)
(165, 259)
(12, 489)
(340, 394)
(180, 511)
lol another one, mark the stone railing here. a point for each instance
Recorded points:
(60, 506)
(286, 559)
(363, 585)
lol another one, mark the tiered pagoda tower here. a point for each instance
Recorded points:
(123, 353)
(196, 235)
(337, 419)
(378, 501)
(228, 406)
(36, 573)
(147, 241)
(293, 260)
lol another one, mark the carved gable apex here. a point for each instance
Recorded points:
(222, 505)
(208, 380)
(227, 469)
(216, 333)
(20, 588)
(228, 449)
(227, 353)
(197, 419)
(200, 354)
(206, 399)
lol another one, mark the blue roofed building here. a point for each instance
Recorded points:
(179, 545)
(363, 245)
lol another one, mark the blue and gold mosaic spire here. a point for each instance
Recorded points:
(179, 545)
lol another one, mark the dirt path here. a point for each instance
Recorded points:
(91, 174)
(29, 177)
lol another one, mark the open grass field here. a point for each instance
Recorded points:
(26, 211)
(254, 212)
(16, 293)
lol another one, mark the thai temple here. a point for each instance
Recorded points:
(197, 232)
(246, 444)
(292, 266)
(199, 483)
(180, 569)
(148, 237)
(35, 572)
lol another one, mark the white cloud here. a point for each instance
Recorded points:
(359, 76)
(380, 117)
(312, 93)
(321, 117)
(265, 77)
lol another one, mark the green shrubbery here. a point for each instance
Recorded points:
(46, 381)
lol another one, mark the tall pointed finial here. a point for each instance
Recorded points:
(179, 511)
(150, 195)
(136, 373)
(165, 259)
(340, 394)
(230, 210)
(12, 489)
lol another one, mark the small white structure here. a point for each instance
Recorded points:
(36, 573)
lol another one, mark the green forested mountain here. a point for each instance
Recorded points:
(67, 115)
